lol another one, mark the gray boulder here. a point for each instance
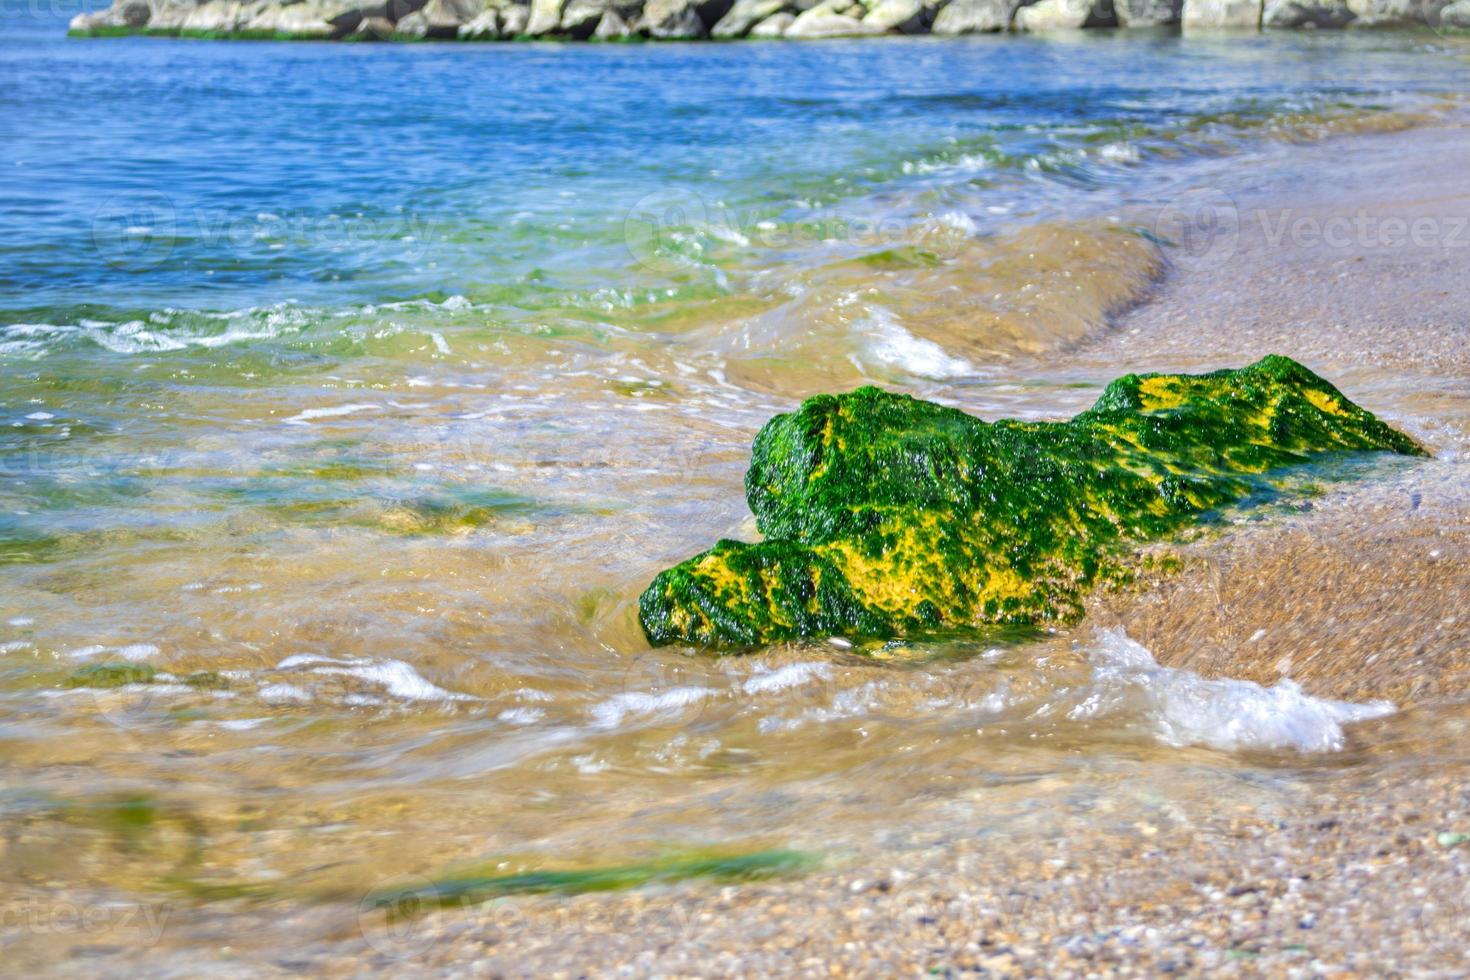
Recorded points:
(744, 15)
(514, 19)
(1387, 13)
(975, 16)
(545, 17)
(86, 23)
(306, 20)
(174, 15)
(372, 29)
(671, 19)
(580, 17)
(133, 13)
(1148, 13)
(1308, 13)
(815, 24)
(227, 17)
(1456, 15)
(1066, 15)
(612, 27)
(123, 13)
(831, 18)
(1215, 14)
(440, 18)
(773, 26)
(908, 16)
(484, 27)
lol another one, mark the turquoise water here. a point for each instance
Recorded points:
(144, 175)
(355, 392)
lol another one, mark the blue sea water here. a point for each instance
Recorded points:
(142, 174)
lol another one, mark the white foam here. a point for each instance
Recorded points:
(891, 344)
(1184, 708)
(521, 716)
(303, 659)
(132, 651)
(242, 724)
(324, 413)
(398, 679)
(792, 675)
(610, 713)
(283, 694)
(1120, 153)
(958, 221)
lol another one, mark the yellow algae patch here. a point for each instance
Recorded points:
(720, 574)
(1160, 394)
(1325, 403)
(876, 581)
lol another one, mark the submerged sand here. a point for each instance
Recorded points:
(1352, 867)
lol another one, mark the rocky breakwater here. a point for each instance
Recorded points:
(611, 20)
(884, 515)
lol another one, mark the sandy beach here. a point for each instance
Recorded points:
(1353, 864)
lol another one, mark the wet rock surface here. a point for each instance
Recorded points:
(886, 515)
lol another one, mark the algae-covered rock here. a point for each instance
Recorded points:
(884, 514)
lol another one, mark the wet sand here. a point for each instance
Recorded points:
(1351, 868)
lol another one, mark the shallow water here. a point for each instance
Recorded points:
(356, 392)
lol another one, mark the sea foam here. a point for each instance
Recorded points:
(894, 346)
(1182, 708)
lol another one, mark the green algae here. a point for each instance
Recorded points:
(902, 257)
(884, 515)
(474, 888)
(206, 680)
(119, 674)
(108, 675)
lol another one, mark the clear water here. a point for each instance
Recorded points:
(378, 381)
